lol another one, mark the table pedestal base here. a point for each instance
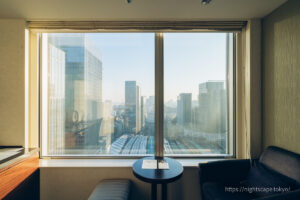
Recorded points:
(154, 191)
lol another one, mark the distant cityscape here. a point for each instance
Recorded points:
(81, 122)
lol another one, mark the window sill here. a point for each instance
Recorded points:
(45, 163)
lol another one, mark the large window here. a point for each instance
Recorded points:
(197, 85)
(99, 90)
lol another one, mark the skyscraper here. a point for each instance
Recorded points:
(150, 109)
(143, 111)
(56, 95)
(184, 109)
(212, 107)
(132, 107)
(107, 123)
(138, 109)
(83, 85)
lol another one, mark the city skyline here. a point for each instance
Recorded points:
(81, 117)
(202, 58)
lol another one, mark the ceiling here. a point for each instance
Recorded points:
(137, 9)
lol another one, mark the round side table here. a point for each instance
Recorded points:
(158, 176)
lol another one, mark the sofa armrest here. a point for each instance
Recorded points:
(293, 195)
(226, 171)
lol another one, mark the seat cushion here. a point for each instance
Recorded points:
(111, 190)
(282, 161)
(264, 181)
(219, 191)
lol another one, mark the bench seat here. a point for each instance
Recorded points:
(111, 190)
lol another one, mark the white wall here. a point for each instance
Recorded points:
(12, 82)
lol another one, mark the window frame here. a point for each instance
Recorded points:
(159, 96)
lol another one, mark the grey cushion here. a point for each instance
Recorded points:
(111, 190)
(261, 177)
(282, 161)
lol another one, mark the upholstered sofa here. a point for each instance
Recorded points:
(274, 176)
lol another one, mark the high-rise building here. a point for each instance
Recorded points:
(150, 109)
(212, 107)
(56, 102)
(143, 111)
(83, 85)
(184, 109)
(132, 107)
(138, 109)
(107, 123)
(107, 118)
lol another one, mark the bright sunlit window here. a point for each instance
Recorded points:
(98, 94)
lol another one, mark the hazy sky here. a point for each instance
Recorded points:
(189, 59)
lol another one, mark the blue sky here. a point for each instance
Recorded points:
(189, 59)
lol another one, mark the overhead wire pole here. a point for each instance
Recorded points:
(159, 95)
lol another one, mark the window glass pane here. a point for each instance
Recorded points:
(98, 94)
(197, 69)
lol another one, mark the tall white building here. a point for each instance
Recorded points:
(56, 93)
(150, 109)
(83, 85)
(212, 107)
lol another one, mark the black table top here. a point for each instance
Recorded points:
(158, 175)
